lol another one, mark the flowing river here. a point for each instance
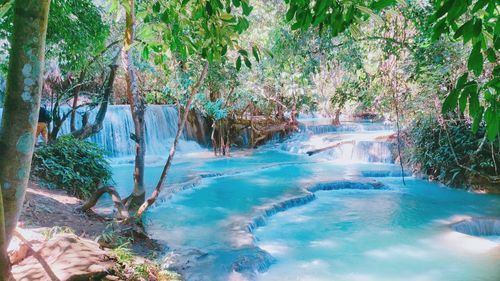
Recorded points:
(275, 213)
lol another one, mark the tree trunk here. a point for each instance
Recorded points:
(336, 118)
(137, 109)
(20, 116)
(76, 93)
(293, 114)
(180, 128)
(89, 130)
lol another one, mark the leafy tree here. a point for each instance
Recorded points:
(475, 22)
(19, 120)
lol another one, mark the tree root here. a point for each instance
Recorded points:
(122, 210)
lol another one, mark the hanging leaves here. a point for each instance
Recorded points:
(482, 28)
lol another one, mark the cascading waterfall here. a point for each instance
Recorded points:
(161, 127)
(479, 227)
(354, 142)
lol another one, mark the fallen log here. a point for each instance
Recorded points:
(312, 152)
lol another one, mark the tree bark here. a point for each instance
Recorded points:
(20, 116)
(76, 94)
(336, 118)
(137, 108)
(180, 128)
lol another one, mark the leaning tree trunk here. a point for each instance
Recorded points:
(91, 129)
(180, 128)
(137, 109)
(20, 116)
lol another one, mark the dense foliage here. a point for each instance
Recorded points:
(450, 152)
(76, 166)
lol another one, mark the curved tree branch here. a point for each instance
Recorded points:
(122, 210)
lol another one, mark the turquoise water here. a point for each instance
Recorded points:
(227, 223)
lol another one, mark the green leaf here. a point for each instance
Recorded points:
(477, 119)
(236, 3)
(497, 28)
(439, 28)
(247, 62)
(198, 14)
(379, 5)
(165, 17)
(462, 80)
(290, 13)
(156, 7)
(243, 52)
(443, 9)
(247, 9)
(238, 63)
(491, 55)
(478, 27)
(479, 5)
(466, 28)
(4, 8)
(462, 101)
(475, 62)
(145, 53)
(450, 102)
(473, 100)
(255, 52)
(492, 118)
(209, 9)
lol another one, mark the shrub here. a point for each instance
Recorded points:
(73, 165)
(433, 149)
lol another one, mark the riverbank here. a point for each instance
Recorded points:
(51, 218)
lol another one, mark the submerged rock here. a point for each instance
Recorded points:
(182, 259)
(252, 260)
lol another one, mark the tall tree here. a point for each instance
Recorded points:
(137, 106)
(20, 116)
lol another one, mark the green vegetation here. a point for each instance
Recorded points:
(431, 67)
(448, 150)
(77, 166)
(131, 269)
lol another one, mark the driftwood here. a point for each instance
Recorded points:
(312, 152)
(122, 210)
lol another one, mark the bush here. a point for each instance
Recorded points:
(73, 165)
(433, 150)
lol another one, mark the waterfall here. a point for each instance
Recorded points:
(479, 227)
(161, 127)
(114, 138)
(354, 142)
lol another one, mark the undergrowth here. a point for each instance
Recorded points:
(450, 152)
(77, 166)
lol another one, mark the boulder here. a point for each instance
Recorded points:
(65, 257)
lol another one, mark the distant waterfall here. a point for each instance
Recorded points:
(161, 126)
